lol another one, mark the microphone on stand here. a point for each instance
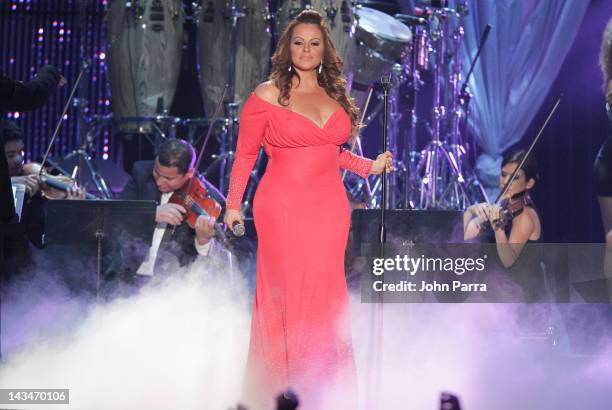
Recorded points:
(238, 229)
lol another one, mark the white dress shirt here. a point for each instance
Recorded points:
(146, 268)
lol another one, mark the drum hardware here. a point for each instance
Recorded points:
(393, 82)
(380, 42)
(414, 59)
(363, 183)
(224, 159)
(78, 99)
(240, 52)
(84, 162)
(442, 184)
(194, 126)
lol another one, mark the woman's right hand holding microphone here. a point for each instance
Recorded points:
(235, 221)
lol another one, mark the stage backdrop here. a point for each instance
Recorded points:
(38, 32)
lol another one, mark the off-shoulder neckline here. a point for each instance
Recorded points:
(339, 109)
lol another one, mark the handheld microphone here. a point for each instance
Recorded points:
(238, 229)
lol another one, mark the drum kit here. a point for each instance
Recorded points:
(234, 43)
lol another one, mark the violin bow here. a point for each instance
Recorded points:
(214, 119)
(524, 159)
(84, 67)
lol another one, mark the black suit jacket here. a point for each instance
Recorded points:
(20, 96)
(181, 243)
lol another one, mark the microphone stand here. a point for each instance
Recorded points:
(378, 313)
(384, 200)
(464, 95)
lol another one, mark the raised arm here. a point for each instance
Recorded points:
(26, 96)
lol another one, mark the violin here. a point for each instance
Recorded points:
(52, 186)
(196, 200)
(194, 197)
(512, 207)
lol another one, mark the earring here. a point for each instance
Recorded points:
(289, 69)
(320, 67)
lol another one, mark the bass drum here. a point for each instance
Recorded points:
(214, 49)
(144, 58)
(339, 16)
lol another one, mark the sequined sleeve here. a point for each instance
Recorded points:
(355, 163)
(253, 123)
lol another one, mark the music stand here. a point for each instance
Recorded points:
(89, 225)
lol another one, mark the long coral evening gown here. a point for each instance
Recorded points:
(300, 332)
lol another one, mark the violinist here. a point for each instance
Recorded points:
(515, 221)
(30, 229)
(22, 96)
(12, 137)
(157, 180)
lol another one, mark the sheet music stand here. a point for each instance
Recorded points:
(19, 196)
(91, 224)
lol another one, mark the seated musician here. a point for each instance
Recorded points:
(514, 233)
(29, 231)
(21, 96)
(157, 180)
(524, 227)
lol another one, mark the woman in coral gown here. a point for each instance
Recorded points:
(300, 332)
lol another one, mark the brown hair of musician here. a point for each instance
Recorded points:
(605, 55)
(330, 77)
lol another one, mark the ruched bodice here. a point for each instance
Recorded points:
(289, 136)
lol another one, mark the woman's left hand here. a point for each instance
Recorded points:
(495, 216)
(383, 161)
